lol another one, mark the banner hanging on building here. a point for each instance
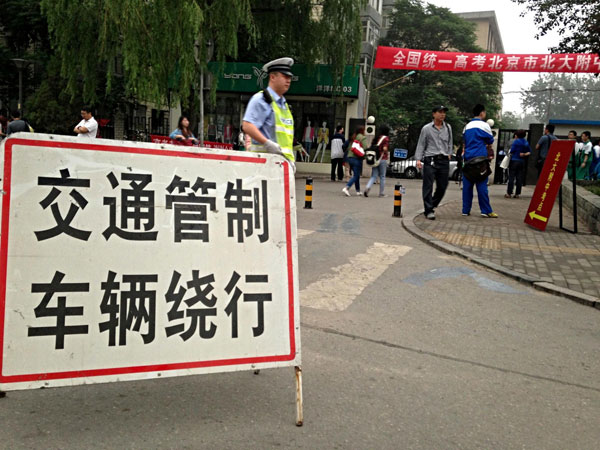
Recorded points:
(410, 59)
(123, 261)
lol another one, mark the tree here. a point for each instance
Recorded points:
(406, 106)
(510, 120)
(563, 96)
(163, 46)
(578, 23)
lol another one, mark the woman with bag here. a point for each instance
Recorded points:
(518, 150)
(380, 165)
(356, 153)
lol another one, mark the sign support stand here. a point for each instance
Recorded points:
(560, 204)
(299, 412)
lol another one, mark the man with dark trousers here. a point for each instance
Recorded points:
(433, 156)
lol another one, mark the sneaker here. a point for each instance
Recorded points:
(430, 216)
(383, 195)
(516, 196)
(466, 214)
(491, 215)
(366, 192)
(345, 191)
(506, 195)
(358, 194)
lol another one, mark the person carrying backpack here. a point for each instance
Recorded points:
(380, 148)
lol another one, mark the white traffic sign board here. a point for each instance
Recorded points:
(125, 261)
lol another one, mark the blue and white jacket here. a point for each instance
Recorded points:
(477, 135)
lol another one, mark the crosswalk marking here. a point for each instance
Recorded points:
(337, 291)
(304, 233)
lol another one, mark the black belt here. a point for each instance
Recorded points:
(438, 157)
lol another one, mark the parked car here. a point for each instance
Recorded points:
(408, 169)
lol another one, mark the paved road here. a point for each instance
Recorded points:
(403, 347)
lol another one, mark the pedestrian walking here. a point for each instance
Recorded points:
(87, 128)
(380, 166)
(434, 150)
(478, 138)
(268, 119)
(355, 160)
(518, 150)
(337, 154)
(543, 146)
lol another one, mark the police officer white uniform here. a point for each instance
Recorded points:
(268, 119)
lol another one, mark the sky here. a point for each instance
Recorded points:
(518, 36)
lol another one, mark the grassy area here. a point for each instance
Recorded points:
(592, 186)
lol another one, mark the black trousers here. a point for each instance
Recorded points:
(339, 164)
(434, 170)
(515, 173)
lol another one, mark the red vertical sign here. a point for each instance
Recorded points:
(548, 184)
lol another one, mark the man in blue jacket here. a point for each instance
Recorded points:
(477, 137)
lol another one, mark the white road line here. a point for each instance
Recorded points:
(304, 233)
(337, 291)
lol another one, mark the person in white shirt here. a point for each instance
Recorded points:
(88, 127)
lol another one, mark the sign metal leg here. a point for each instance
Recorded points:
(299, 413)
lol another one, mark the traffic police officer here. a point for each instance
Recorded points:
(268, 119)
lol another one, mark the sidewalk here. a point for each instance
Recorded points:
(555, 260)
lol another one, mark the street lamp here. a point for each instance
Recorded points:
(21, 65)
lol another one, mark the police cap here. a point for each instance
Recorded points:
(282, 65)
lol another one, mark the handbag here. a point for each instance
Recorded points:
(505, 161)
(477, 169)
(357, 149)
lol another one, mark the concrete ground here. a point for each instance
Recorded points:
(403, 347)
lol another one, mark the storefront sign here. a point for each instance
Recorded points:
(250, 78)
(549, 183)
(409, 59)
(125, 261)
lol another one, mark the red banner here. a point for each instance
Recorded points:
(158, 139)
(409, 59)
(548, 184)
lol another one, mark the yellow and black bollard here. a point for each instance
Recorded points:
(308, 194)
(397, 201)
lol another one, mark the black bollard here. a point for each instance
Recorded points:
(308, 194)
(397, 201)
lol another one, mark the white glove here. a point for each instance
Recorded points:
(272, 147)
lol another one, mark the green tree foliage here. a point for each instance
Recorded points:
(310, 31)
(563, 96)
(510, 120)
(25, 36)
(160, 46)
(577, 21)
(406, 105)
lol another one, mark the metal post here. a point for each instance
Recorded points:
(574, 167)
(20, 107)
(308, 194)
(299, 412)
(397, 201)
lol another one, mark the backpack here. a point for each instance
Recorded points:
(373, 154)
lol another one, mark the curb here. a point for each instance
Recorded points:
(537, 283)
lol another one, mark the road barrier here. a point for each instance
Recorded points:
(398, 200)
(308, 194)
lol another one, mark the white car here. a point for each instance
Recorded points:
(408, 169)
